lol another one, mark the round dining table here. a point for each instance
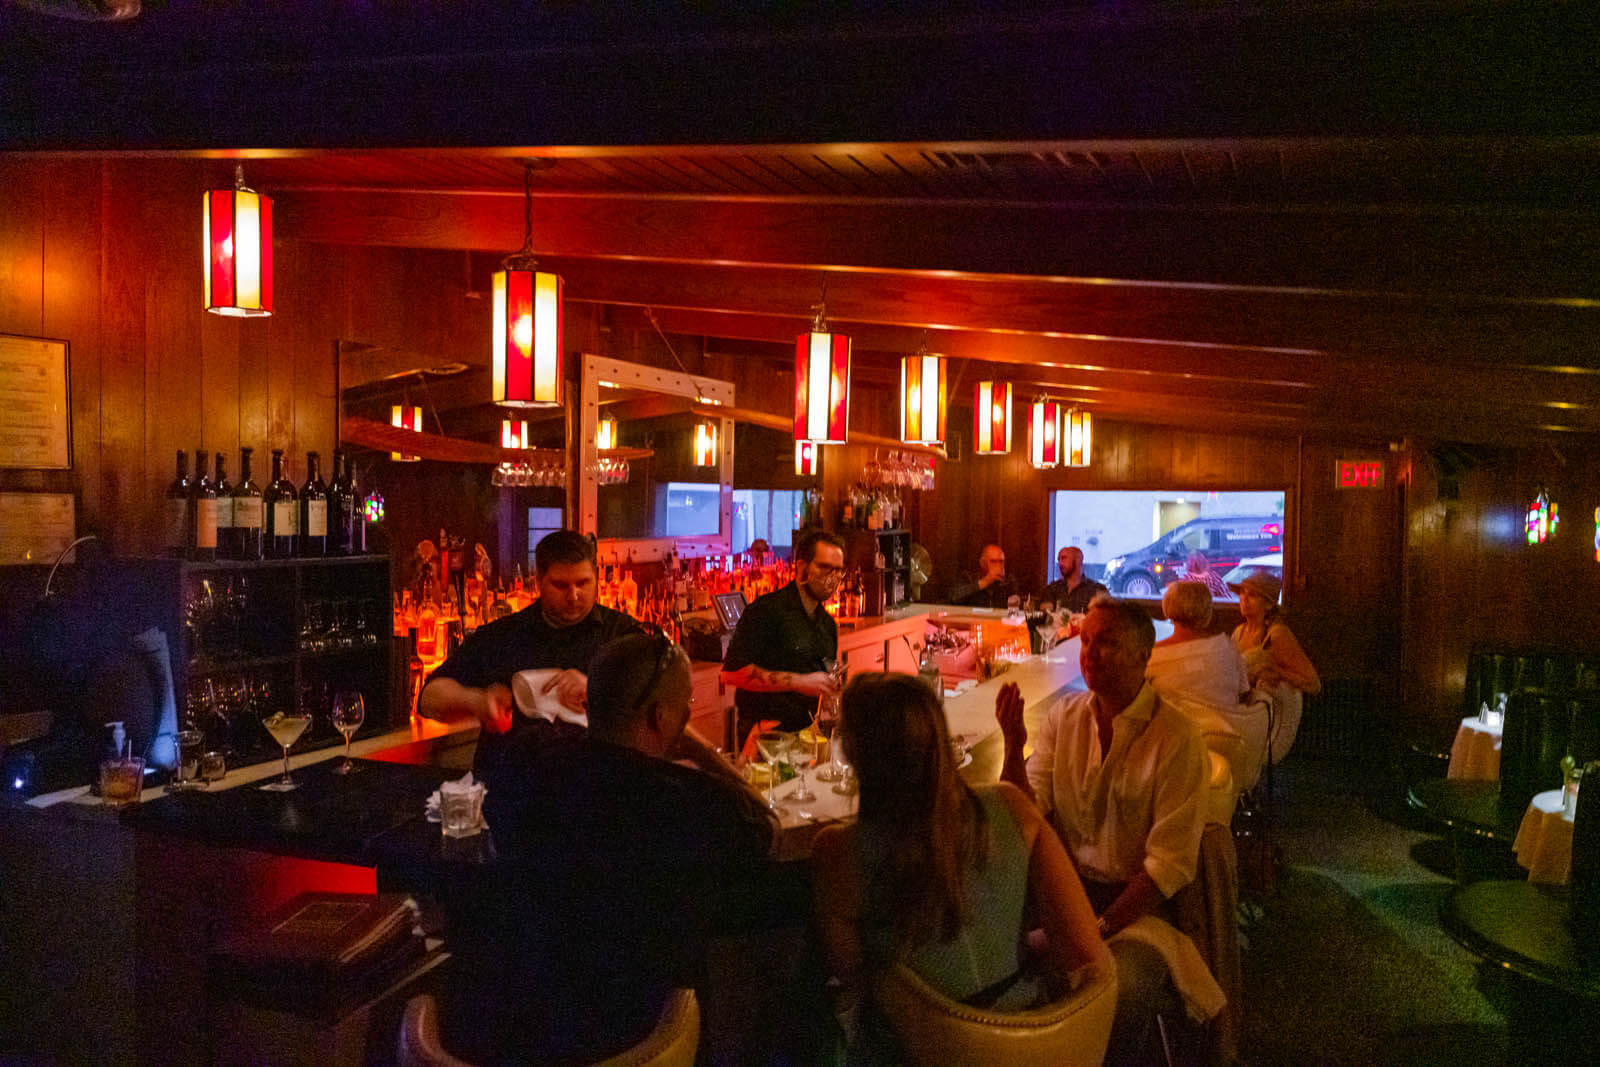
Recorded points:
(1475, 753)
(1544, 840)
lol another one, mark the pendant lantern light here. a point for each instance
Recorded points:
(821, 384)
(705, 444)
(1077, 433)
(922, 398)
(238, 250)
(513, 433)
(806, 454)
(991, 419)
(528, 340)
(1044, 434)
(605, 433)
(407, 417)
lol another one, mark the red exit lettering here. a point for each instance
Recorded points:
(1360, 474)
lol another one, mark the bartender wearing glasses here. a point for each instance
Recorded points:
(777, 659)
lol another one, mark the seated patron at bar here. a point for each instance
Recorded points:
(1122, 777)
(994, 587)
(561, 631)
(1074, 589)
(940, 876)
(616, 866)
(786, 643)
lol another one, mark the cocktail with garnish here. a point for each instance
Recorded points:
(286, 730)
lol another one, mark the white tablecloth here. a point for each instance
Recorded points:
(1475, 754)
(1544, 840)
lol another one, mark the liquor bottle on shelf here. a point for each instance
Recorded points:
(175, 531)
(628, 591)
(224, 491)
(340, 506)
(416, 673)
(203, 539)
(314, 509)
(282, 511)
(247, 517)
(427, 623)
(357, 508)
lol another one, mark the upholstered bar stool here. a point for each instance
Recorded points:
(672, 1043)
(935, 1031)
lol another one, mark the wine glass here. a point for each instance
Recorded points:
(285, 729)
(797, 759)
(824, 724)
(772, 744)
(349, 711)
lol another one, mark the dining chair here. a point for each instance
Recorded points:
(935, 1031)
(1206, 911)
(672, 1043)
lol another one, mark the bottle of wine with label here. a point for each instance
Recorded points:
(203, 540)
(247, 512)
(282, 508)
(175, 527)
(314, 509)
(339, 507)
(226, 539)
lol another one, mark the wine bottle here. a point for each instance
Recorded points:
(358, 508)
(203, 541)
(227, 547)
(314, 509)
(175, 530)
(282, 511)
(247, 517)
(339, 507)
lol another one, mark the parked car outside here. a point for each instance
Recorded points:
(1226, 542)
(1272, 563)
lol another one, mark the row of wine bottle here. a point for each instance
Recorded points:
(207, 518)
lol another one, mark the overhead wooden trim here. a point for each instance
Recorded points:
(785, 423)
(1461, 249)
(385, 438)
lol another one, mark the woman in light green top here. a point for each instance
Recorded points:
(941, 877)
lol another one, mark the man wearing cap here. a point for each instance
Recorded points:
(1073, 591)
(1122, 776)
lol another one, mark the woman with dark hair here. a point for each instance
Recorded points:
(939, 876)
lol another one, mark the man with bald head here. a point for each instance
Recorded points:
(1074, 590)
(616, 867)
(994, 587)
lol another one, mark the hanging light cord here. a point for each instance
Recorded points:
(699, 395)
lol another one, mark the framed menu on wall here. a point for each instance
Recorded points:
(35, 416)
(36, 527)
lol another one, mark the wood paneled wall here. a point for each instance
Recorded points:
(103, 254)
(1472, 579)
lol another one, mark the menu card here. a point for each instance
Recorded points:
(34, 417)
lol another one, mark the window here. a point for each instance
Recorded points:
(541, 521)
(1138, 541)
(690, 508)
(766, 514)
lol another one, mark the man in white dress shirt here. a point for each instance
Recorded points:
(1122, 777)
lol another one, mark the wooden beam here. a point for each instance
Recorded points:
(785, 423)
(385, 438)
(1470, 249)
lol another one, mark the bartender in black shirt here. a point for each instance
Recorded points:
(776, 658)
(563, 629)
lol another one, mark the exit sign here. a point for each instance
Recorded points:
(1358, 474)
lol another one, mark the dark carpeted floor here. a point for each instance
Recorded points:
(1346, 962)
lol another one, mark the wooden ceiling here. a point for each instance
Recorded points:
(1378, 221)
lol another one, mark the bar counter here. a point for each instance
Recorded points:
(109, 915)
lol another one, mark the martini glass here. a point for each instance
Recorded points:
(772, 744)
(286, 730)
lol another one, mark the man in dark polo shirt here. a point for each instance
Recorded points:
(563, 629)
(617, 867)
(777, 656)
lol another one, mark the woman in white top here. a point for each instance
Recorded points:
(1193, 662)
(1274, 659)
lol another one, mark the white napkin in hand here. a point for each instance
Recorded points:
(527, 691)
